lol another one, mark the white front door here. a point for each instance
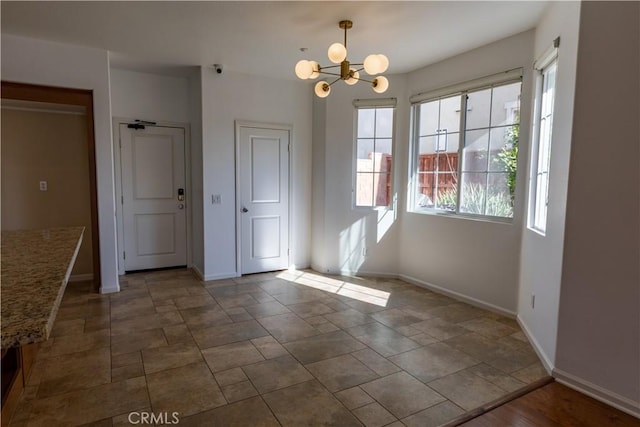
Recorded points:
(263, 199)
(153, 197)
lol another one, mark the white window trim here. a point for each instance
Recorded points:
(372, 104)
(499, 79)
(540, 65)
(476, 84)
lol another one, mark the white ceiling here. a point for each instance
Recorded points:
(265, 37)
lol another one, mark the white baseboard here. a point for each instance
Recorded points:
(610, 398)
(548, 365)
(369, 274)
(109, 289)
(196, 270)
(599, 393)
(206, 278)
(458, 296)
(81, 277)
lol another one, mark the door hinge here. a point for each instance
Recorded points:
(120, 141)
(122, 200)
(124, 255)
(288, 252)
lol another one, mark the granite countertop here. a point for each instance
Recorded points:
(36, 265)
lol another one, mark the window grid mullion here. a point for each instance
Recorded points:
(486, 174)
(461, 144)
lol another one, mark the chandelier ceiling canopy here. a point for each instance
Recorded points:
(373, 65)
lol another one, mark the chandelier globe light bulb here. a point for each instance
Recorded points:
(384, 63)
(372, 64)
(322, 89)
(354, 75)
(316, 70)
(337, 53)
(304, 69)
(380, 84)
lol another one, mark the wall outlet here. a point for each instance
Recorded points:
(533, 300)
(43, 186)
(216, 199)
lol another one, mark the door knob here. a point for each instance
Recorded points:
(244, 210)
(180, 206)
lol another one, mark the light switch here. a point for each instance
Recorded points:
(43, 185)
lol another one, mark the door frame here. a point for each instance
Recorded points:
(259, 125)
(116, 122)
(69, 96)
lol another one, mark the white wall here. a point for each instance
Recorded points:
(599, 322)
(318, 180)
(477, 260)
(235, 96)
(34, 61)
(339, 243)
(541, 256)
(195, 114)
(156, 98)
(153, 97)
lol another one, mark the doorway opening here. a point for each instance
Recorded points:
(73, 101)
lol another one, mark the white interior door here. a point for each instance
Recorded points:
(154, 211)
(263, 199)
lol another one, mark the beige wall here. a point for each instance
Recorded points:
(46, 146)
(599, 318)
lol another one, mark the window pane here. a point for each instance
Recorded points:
(450, 114)
(502, 152)
(548, 90)
(374, 147)
(429, 117)
(366, 122)
(427, 144)
(505, 105)
(543, 147)
(474, 155)
(499, 196)
(384, 123)
(478, 109)
(472, 199)
(381, 163)
(364, 189)
(381, 189)
(541, 202)
(426, 190)
(383, 146)
(364, 149)
(446, 191)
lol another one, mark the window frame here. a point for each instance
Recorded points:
(462, 90)
(373, 104)
(548, 59)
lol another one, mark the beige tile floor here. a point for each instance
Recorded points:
(286, 348)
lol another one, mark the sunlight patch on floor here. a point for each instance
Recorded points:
(339, 287)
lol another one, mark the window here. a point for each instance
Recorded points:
(373, 153)
(465, 148)
(541, 151)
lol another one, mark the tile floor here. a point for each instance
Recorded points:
(286, 348)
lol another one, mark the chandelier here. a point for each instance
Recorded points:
(373, 64)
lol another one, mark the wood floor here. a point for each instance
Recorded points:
(554, 405)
